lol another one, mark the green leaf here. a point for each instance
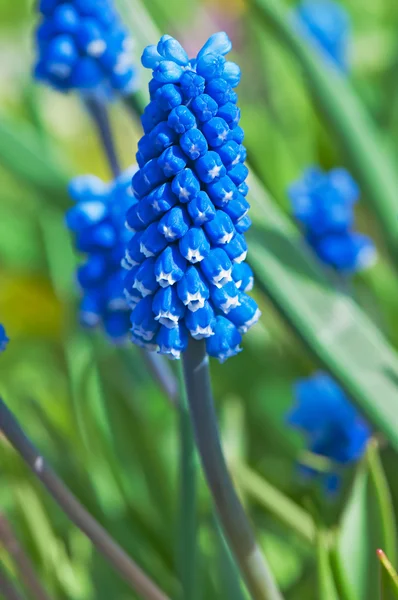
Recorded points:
(326, 584)
(21, 152)
(332, 326)
(347, 119)
(351, 552)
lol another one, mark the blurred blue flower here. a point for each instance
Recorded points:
(3, 339)
(327, 24)
(333, 427)
(82, 44)
(189, 222)
(97, 221)
(324, 204)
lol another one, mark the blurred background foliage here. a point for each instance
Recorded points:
(104, 426)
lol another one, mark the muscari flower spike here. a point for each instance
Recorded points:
(324, 204)
(187, 275)
(333, 427)
(3, 339)
(97, 222)
(327, 24)
(83, 45)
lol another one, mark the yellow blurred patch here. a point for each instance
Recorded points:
(29, 306)
(233, 8)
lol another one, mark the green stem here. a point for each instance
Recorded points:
(237, 529)
(229, 574)
(384, 500)
(100, 538)
(187, 535)
(135, 104)
(99, 114)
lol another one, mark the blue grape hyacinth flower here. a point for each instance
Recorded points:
(187, 275)
(3, 338)
(97, 221)
(333, 427)
(324, 205)
(83, 45)
(326, 24)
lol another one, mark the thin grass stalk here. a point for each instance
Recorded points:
(70, 505)
(21, 560)
(237, 529)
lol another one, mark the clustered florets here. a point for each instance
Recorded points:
(187, 274)
(83, 45)
(326, 23)
(333, 427)
(324, 204)
(97, 221)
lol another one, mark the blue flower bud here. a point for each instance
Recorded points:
(143, 323)
(172, 341)
(220, 91)
(83, 46)
(167, 72)
(202, 322)
(174, 224)
(222, 191)
(220, 230)
(231, 74)
(152, 242)
(168, 96)
(246, 314)
(225, 298)
(193, 143)
(218, 43)
(238, 173)
(191, 201)
(170, 49)
(201, 209)
(209, 167)
(65, 19)
(237, 248)
(243, 224)
(194, 245)
(217, 267)
(145, 280)
(192, 289)
(210, 66)
(243, 277)
(204, 108)
(216, 132)
(3, 339)
(170, 266)
(181, 119)
(225, 341)
(192, 84)
(237, 209)
(97, 221)
(151, 58)
(172, 161)
(324, 204)
(167, 307)
(186, 185)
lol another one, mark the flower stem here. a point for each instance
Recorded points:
(25, 568)
(104, 543)
(237, 529)
(99, 114)
(187, 553)
(7, 590)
